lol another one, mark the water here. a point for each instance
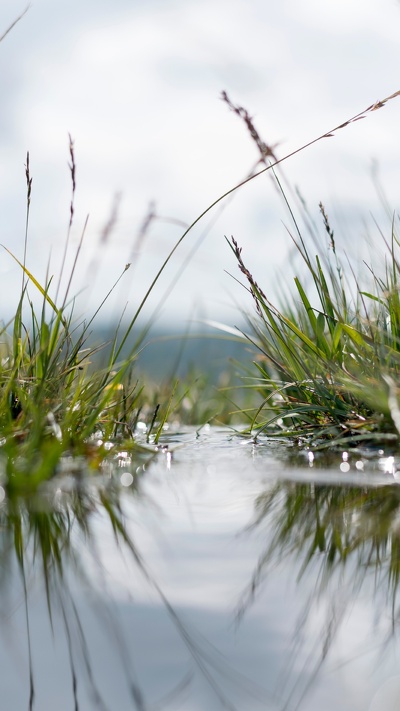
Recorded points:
(256, 579)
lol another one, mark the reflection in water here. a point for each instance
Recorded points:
(40, 546)
(343, 538)
(53, 544)
(212, 581)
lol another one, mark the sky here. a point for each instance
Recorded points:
(138, 87)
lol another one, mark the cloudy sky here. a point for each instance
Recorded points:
(138, 86)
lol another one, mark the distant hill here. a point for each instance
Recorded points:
(166, 354)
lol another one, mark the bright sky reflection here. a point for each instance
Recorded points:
(159, 625)
(189, 525)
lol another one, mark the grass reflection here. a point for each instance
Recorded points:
(342, 543)
(44, 543)
(52, 543)
(335, 524)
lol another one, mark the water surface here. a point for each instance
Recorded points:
(256, 578)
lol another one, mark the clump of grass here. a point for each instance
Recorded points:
(56, 401)
(53, 403)
(328, 370)
(330, 361)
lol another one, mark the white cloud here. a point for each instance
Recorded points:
(138, 87)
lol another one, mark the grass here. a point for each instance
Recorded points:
(54, 404)
(49, 406)
(327, 372)
(329, 358)
(329, 362)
